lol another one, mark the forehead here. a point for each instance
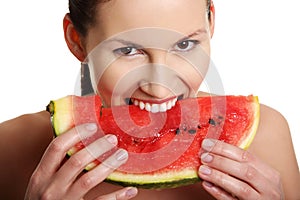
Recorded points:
(182, 16)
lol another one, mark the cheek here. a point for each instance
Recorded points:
(117, 82)
(190, 68)
(195, 81)
(107, 83)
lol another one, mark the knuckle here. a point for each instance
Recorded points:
(47, 195)
(86, 182)
(247, 156)
(250, 172)
(245, 191)
(218, 194)
(218, 147)
(220, 178)
(34, 180)
(275, 195)
(56, 145)
(75, 161)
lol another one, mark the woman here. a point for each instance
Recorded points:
(119, 39)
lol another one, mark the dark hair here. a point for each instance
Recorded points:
(82, 13)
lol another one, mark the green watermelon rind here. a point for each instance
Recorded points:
(63, 106)
(149, 181)
(246, 141)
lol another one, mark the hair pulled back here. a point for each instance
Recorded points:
(83, 13)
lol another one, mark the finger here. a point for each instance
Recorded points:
(67, 174)
(225, 149)
(240, 170)
(228, 183)
(217, 192)
(92, 178)
(237, 154)
(58, 148)
(123, 194)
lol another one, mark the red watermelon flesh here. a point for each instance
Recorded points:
(163, 147)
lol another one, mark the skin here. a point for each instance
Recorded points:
(267, 170)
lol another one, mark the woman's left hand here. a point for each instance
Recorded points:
(229, 172)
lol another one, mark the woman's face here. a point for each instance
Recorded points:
(149, 53)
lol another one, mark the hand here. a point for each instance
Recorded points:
(55, 179)
(229, 172)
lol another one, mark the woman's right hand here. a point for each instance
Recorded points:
(55, 179)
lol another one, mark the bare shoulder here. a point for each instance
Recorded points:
(273, 144)
(23, 141)
(34, 126)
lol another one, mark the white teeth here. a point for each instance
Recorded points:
(154, 108)
(169, 105)
(163, 107)
(142, 105)
(174, 102)
(148, 107)
(136, 102)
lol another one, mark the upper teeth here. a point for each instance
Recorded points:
(154, 108)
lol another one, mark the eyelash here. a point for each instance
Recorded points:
(127, 51)
(133, 51)
(194, 43)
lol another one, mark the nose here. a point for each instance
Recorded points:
(156, 90)
(160, 77)
(157, 56)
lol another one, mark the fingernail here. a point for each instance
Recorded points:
(112, 139)
(205, 169)
(121, 155)
(206, 157)
(208, 144)
(91, 127)
(131, 192)
(207, 184)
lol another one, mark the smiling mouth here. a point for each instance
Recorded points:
(153, 107)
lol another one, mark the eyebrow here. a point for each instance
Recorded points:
(133, 44)
(125, 42)
(197, 32)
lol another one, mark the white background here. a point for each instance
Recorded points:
(256, 48)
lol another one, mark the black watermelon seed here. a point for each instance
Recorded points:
(177, 131)
(101, 110)
(192, 131)
(212, 122)
(136, 140)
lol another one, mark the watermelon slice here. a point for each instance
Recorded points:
(163, 147)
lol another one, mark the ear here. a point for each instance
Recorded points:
(72, 39)
(212, 14)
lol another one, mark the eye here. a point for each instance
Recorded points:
(186, 45)
(127, 51)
